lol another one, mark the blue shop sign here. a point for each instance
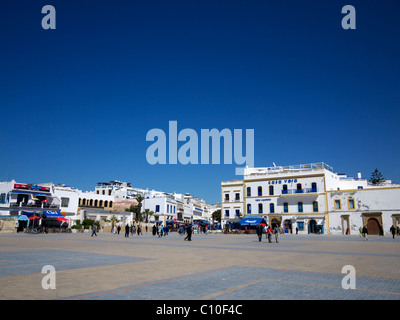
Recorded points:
(284, 181)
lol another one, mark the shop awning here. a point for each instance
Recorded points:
(250, 221)
(53, 214)
(23, 217)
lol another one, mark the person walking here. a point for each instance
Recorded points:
(361, 232)
(365, 233)
(259, 232)
(118, 229)
(160, 231)
(94, 229)
(154, 230)
(393, 231)
(127, 231)
(277, 231)
(188, 233)
(139, 231)
(269, 233)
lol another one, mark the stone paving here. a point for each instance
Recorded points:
(211, 267)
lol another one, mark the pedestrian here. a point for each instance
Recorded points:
(139, 231)
(297, 230)
(365, 233)
(154, 230)
(393, 230)
(118, 229)
(127, 231)
(94, 229)
(160, 231)
(277, 231)
(361, 232)
(188, 233)
(269, 233)
(259, 232)
(398, 230)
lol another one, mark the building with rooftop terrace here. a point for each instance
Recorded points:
(310, 198)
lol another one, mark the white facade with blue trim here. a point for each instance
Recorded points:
(311, 198)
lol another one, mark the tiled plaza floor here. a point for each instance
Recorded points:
(211, 267)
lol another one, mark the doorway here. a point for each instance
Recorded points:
(312, 226)
(373, 227)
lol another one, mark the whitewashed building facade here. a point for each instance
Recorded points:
(311, 198)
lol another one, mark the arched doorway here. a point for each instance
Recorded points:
(274, 223)
(312, 226)
(287, 224)
(373, 227)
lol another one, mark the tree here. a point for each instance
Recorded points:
(376, 177)
(216, 215)
(139, 199)
(148, 213)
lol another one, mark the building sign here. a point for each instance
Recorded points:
(268, 199)
(30, 187)
(284, 181)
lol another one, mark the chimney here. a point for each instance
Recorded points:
(359, 175)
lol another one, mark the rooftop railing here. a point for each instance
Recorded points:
(283, 169)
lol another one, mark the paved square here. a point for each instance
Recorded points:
(211, 267)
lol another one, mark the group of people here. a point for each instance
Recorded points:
(128, 230)
(269, 232)
(160, 230)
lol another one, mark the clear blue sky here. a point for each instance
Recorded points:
(77, 102)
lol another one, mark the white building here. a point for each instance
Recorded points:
(16, 198)
(311, 198)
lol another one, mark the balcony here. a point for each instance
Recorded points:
(300, 191)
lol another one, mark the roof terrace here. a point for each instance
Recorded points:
(320, 166)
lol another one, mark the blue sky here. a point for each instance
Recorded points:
(76, 102)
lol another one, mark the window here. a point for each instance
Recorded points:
(167, 208)
(248, 191)
(351, 204)
(315, 206)
(299, 188)
(284, 189)
(314, 187)
(271, 190)
(300, 225)
(260, 208)
(249, 208)
(237, 196)
(237, 212)
(337, 205)
(300, 206)
(157, 208)
(271, 208)
(227, 213)
(226, 196)
(3, 198)
(259, 191)
(285, 207)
